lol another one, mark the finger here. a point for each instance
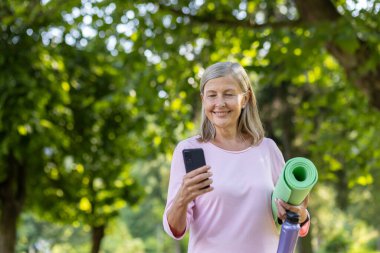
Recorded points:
(200, 192)
(283, 204)
(191, 185)
(208, 189)
(300, 210)
(205, 183)
(200, 170)
(281, 212)
(289, 207)
(295, 209)
(200, 177)
(205, 190)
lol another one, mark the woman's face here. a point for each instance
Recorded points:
(223, 100)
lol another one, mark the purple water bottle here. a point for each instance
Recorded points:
(289, 233)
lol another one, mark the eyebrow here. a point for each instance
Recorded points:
(228, 90)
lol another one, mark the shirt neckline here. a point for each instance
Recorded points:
(229, 151)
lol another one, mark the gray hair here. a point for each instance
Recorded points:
(249, 120)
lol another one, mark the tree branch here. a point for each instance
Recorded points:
(229, 22)
(311, 12)
(317, 11)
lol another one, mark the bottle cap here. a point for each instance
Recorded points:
(292, 217)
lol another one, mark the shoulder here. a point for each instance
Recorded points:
(267, 143)
(191, 142)
(270, 146)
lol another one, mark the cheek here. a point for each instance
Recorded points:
(236, 103)
(207, 106)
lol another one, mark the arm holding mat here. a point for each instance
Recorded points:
(295, 182)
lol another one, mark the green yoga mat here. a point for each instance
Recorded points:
(295, 182)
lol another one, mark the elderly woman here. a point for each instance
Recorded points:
(226, 204)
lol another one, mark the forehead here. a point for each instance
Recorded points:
(221, 84)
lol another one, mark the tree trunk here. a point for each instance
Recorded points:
(304, 244)
(12, 195)
(277, 109)
(8, 223)
(365, 78)
(97, 236)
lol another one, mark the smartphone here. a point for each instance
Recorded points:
(193, 158)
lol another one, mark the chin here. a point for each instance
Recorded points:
(221, 124)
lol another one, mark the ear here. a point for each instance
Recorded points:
(246, 98)
(201, 95)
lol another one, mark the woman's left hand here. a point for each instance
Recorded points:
(301, 210)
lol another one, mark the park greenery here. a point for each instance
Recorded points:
(95, 94)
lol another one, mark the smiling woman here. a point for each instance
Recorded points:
(230, 212)
(223, 101)
(239, 100)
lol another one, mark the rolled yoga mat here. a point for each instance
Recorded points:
(295, 182)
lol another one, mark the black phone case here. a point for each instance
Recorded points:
(193, 158)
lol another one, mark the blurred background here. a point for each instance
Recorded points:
(95, 94)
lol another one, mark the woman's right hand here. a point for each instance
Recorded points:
(194, 184)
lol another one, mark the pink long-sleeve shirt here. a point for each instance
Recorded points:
(236, 216)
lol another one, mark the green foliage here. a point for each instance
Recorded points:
(119, 240)
(94, 95)
(79, 119)
(338, 243)
(340, 138)
(145, 221)
(36, 234)
(337, 230)
(92, 174)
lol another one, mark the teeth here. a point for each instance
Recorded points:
(220, 113)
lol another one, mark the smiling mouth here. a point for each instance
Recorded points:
(221, 113)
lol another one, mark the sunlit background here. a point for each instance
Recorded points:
(95, 94)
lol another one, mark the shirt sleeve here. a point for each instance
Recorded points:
(177, 172)
(277, 161)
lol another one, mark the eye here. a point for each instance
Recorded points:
(211, 95)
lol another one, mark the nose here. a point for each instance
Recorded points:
(220, 101)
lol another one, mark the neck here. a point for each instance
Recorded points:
(227, 135)
(230, 139)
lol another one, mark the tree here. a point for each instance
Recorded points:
(91, 176)
(30, 83)
(349, 35)
(81, 128)
(140, 63)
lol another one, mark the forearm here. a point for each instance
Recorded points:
(176, 216)
(195, 183)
